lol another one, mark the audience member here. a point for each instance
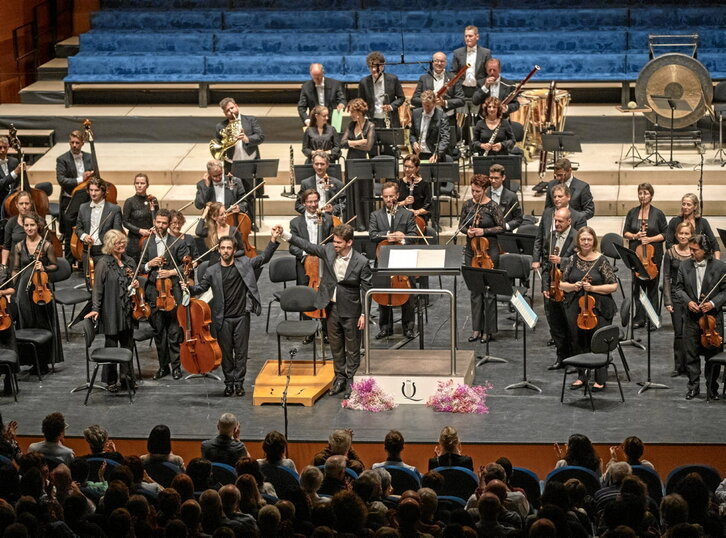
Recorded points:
(490, 508)
(340, 444)
(448, 451)
(158, 446)
(231, 497)
(275, 448)
(8, 444)
(226, 447)
(578, 451)
(250, 499)
(54, 429)
(268, 520)
(100, 445)
(695, 492)
(334, 480)
(251, 467)
(311, 479)
(394, 444)
(673, 510)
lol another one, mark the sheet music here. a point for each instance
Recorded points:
(654, 319)
(337, 120)
(522, 306)
(402, 258)
(431, 258)
(207, 296)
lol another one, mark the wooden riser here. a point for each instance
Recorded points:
(305, 388)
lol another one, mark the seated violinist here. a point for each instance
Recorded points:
(214, 187)
(97, 217)
(326, 186)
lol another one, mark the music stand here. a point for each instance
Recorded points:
(559, 142)
(663, 101)
(633, 151)
(632, 262)
(512, 166)
(389, 138)
(530, 320)
(304, 171)
(437, 173)
(516, 243)
(251, 172)
(719, 157)
(651, 318)
(486, 282)
(367, 171)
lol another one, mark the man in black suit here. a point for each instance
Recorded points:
(495, 86)
(561, 197)
(430, 133)
(214, 187)
(474, 56)
(163, 255)
(506, 199)
(71, 169)
(97, 217)
(701, 289)
(393, 224)
(9, 172)
(436, 79)
(557, 245)
(236, 295)
(319, 90)
(580, 195)
(225, 447)
(346, 279)
(312, 226)
(381, 91)
(326, 186)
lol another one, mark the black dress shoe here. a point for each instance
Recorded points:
(408, 333)
(228, 391)
(638, 325)
(177, 374)
(309, 339)
(239, 390)
(160, 373)
(337, 388)
(692, 393)
(325, 339)
(487, 338)
(346, 393)
(383, 334)
(473, 338)
(713, 395)
(551, 342)
(557, 365)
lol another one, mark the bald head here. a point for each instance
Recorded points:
(439, 62)
(335, 466)
(316, 73)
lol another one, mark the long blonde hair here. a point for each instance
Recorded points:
(211, 224)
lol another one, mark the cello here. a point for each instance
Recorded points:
(646, 253)
(396, 281)
(37, 196)
(199, 352)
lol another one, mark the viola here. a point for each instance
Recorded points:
(140, 308)
(164, 293)
(90, 269)
(480, 248)
(39, 280)
(199, 352)
(586, 318)
(555, 292)
(646, 253)
(710, 336)
(5, 320)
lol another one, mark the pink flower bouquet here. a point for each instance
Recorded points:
(367, 395)
(459, 398)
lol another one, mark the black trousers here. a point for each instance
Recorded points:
(679, 354)
(124, 339)
(234, 337)
(344, 338)
(557, 320)
(693, 351)
(167, 336)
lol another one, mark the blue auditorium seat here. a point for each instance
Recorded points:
(684, 18)
(594, 41)
(708, 38)
(165, 4)
(283, 43)
(322, 21)
(147, 21)
(571, 19)
(356, 66)
(365, 42)
(565, 66)
(137, 42)
(224, 67)
(135, 68)
(411, 20)
(430, 42)
(295, 4)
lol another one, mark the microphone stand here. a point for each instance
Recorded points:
(293, 352)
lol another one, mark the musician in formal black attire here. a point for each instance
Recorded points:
(326, 186)
(504, 198)
(493, 133)
(97, 217)
(215, 187)
(359, 137)
(435, 80)
(430, 132)
(10, 169)
(319, 90)
(413, 192)
(138, 215)
(702, 288)
(691, 212)
(14, 231)
(320, 136)
(496, 86)
(475, 57)
(381, 91)
(580, 195)
(176, 224)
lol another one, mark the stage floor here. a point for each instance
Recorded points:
(191, 408)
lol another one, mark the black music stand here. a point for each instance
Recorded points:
(512, 167)
(663, 101)
(367, 171)
(487, 282)
(524, 310)
(559, 142)
(517, 243)
(391, 139)
(437, 173)
(251, 173)
(632, 262)
(651, 318)
(304, 171)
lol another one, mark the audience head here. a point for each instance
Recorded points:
(169, 502)
(96, 436)
(543, 528)
(579, 448)
(507, 466)
(673, 510)
(54, 427)
(449, 439)
(335, 466)
(274, 446)
(429, 503)
(230, 497)
(633, 448)
(159, 440)
(618, 471)
(694, 491)
(191, 514)
(368, 486)
(340, 442)
(200, 471)
(350, 512)
(433, 480)
(249, 492)
(268, 520)
(228, 425)
(385, 477)
(494, 471)
(184, 485)
(311, 478)
(489, 507)
(393, 444)
(576, 492)
(251, 467)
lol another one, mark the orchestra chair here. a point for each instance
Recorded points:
(47, 188)
(68, 295)
(10, 366)
(528, 481)
(604, 342)
(162, 472)
(34, 338)
(223, 474)
(94, 464)
(282, 478)
(298, 299)
(281, 269)
(710, 476)
(589, 479)
(458, 481)
(102, 356)
(144, 332)
(403, 479)
(652, 481)
(607, 248)
(4, 461)
(717, 359)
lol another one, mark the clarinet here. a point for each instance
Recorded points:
(493, 137)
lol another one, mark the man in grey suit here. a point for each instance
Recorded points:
(580, 195)
(495, 86)
(326, 186)
(505, 199)
(236, 295)
(346, 279)
(214, 187)
(9, 172)
(381, 91)
(71, 169)
(319, 90)
(97, 217)
(430, 133)
(473, 55)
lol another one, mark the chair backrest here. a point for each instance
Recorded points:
(450, 502)
(528, 481)
(223, 473)
(283, 269)
(403, 479)
(4, 460)
(710, 476)
(652, 480)
(62, 273)
(297, 299)
(163, 472)
(201, 269)
(518, 130)
(46, 187)
(606, 245)
(350, 472)
(589, 479)
(458, 481)
(89, 332)
(280, 477)
(528, 229)
(516, 265)
(605, 339)
(94, 464)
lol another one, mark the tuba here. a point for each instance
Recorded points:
(228, 139)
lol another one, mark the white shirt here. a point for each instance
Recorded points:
(560, 240)
(78, 160)
(700, 272)
(379, 91)
(470, 77)
(160, 248)
(496, 195)
(340, 266)
(240, 151)
(322, 193)
(218, 191)
(96, 210)
(425, 122)
(494, 88)
(320, 89)
(438, 80)
(312, 224)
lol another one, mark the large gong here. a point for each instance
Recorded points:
(676, 76)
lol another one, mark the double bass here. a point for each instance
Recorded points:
(37, 196)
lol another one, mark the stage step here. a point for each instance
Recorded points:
(67, 47)
(55, 69)
(43, 92)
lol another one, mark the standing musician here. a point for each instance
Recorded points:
(493, 134)
(159, 262)
(14, 230)
(71, 169)
(436, 79)
(176, 222)
(359, 137)
(588, 272)
(321, 136)
(691, 212)
(234, 285)
(346, 280)
(561, 197)
(10, 169)
(557, 247)
(701, 290)
(473, 55)
(111, 302)
(319, 90)
(504, 198)
(481, 217)
(324, 185)
(32, 315)
(96, 217)
(394, 225)
(646, 225)
(580, 195)
(138, 215)
(496, 86)
(214, 187)
(214, 226)
(672, 260)
(413, 193)
(313, 226)
(430, 132)
(381, 91)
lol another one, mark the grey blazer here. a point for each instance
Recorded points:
(231, 195)
(335, 186)
(506, 201)
(253, 130)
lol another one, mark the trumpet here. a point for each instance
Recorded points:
(228, 138)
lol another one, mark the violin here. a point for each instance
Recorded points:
(140, 308)
(5, 320)
(243, 222)
(586, 318)
(187, 268)
(710, 336)
(646, 253)
(39, 280)
(397, 281)
(480, 247)
(164, 293)
(199, 352)
(555, 292)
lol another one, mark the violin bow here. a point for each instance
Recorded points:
(39, 249)
(331, 235)
(469, 218)
(138, 265)
(244, 197)
(710, 292)
(341, 191)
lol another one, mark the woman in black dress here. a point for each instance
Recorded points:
(320, 135)
(646, 225)
(503, 142)
(110, 302)
(413, 192)
(358, 138)
(589, 272)
(213, 226)
(691, 212)
(30, 314)
(481, 217)
(14, 232)
(138, 215)
(676, 254)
